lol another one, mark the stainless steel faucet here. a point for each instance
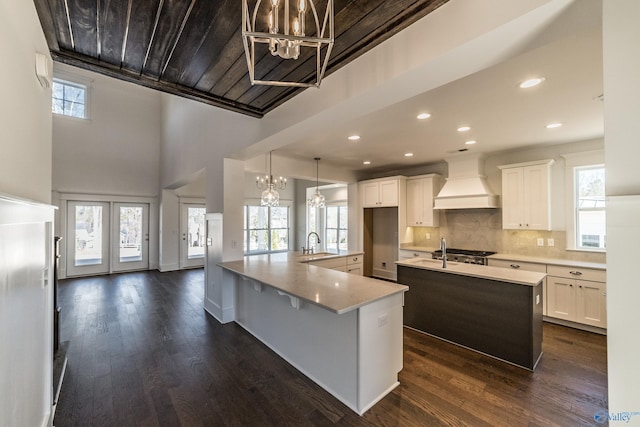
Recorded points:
(309, 249)
(443, 248)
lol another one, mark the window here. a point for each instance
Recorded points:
(585, 200)
(335, 232)
(266, 229)
(69, 99)
(590, 207)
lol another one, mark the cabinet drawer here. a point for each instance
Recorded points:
(334, 263)
(407, 254)
(355, 269)
(354, 259)
(568, 272)
(518, 265)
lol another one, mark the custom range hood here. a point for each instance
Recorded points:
(466, 187)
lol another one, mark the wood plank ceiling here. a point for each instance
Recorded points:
(193, 48)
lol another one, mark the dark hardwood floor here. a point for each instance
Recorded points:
(142, 351)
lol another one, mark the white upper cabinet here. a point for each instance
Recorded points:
(380, 193)
(420, 193)
(526, 195)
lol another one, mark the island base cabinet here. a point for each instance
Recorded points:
(355, 356)
(500, 319)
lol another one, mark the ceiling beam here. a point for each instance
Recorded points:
(84, 62)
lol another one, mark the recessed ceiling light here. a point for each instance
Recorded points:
(354, 137)
(470, 142)
(423, 116)
(554, 125)
(531, 82)
(464, 128)
(408, 154)
(366, 162)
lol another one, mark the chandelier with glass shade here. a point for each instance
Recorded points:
(269, 186)
(317, 200)
(262, 22)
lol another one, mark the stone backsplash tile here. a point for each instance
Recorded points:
(481, 229)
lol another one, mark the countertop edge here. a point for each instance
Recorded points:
(234, 267)
(515, 277)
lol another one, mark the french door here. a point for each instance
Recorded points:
(192, 231)
(87, 238)
(105, 237)
(131, 247)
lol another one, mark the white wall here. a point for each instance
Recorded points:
(25, 171)
(112, 156)
(622, 151)
(25, 111)
(116, 151)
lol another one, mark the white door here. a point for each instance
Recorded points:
(87, 238)
(130, 237)
(192, 235)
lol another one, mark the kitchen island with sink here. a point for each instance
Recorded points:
(342, 330)
(495, 311)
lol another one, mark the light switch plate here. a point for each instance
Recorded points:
(551, 242)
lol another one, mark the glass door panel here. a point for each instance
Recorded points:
(87, 238)
(131, 232)
(193, 235)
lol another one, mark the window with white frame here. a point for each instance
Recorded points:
(585, 200)
(336, 228)
(69, 99)
(589, 202)
(266, 229)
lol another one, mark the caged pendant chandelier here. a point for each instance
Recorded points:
(269, 187)
(261, 22)
(317, 200)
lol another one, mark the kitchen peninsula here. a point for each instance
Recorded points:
(493, 310)
(344, 331)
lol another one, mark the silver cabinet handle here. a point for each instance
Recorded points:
(575, 273)
(514, 265)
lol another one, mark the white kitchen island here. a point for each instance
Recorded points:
(343, 331)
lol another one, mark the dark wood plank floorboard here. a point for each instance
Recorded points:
(143, 352)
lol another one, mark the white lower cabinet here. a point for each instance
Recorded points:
(582, 299)
(574, 294)
(354, 264)
(350, 264)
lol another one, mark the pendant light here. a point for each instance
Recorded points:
(317, 200)
(268, 184)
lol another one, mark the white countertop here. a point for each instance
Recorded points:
(552, 261)
(518, 277)
(333, 290)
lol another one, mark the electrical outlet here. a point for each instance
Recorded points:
(540, 241)
(428, 236)
(383, 320)
(551, 242)
(384, 264)
(233, 244)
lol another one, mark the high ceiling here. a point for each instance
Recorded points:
(566, 50)
(193, 48)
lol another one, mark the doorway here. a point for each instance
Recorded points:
(192, 231)
(105, 237)
(132, 230)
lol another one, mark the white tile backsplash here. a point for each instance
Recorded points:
(481, 229)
